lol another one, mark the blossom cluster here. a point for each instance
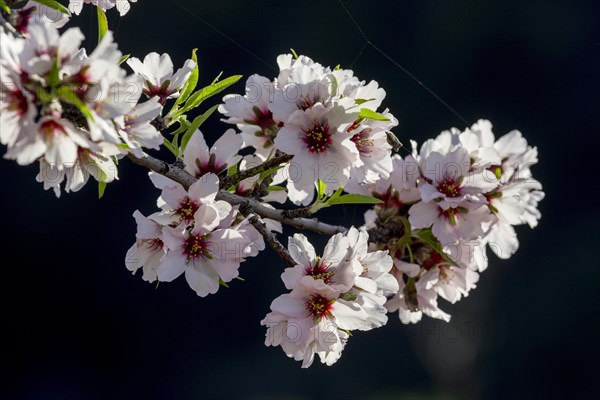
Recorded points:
(330, 296)
(444, 205)
(73, 113)
(194, 233)
(326, 118)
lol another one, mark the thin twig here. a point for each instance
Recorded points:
(231, 180)
(269, 237)
(186, 180)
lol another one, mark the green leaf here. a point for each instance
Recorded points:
(370, 114)
(4, 7)
(55, 5)
(169, 146)
(428, 237)
(183, 126)
(102, 23)
(222, 283)
(321, 187)
(349, 296)
(199, 120)
(67, 95)
(101, 189)
(275, 188)
(199, 96)
(268, 172)
(336, 194)
(191, 83)
(232, 170)
(361, 101)
(53, 75)
(124, 58)
(354, 199)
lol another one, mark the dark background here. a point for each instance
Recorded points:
(80, 326)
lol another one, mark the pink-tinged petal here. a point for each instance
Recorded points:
(196, 150)
(204, 281)
(349, 316)
(429, 192)
(205, 189)
(69, 42)
(181, 76)
(366, 284)
(290, 306)
(336, 249)
(206, 218)
(409, 269)
(161, 182)
(172, 266)
(226, 148)
(174, 196)
(227, 270)
(291, 276)
(174, 238)
(423, 215)
(301, 250)
(160, 67)
(289, 140)
(146, 228)
(502, 239)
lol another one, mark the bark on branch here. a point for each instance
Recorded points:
(231, 180)
(186, 180)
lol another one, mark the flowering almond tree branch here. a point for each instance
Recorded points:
(314, 136)
(186, 180)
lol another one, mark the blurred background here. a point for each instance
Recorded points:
(80, 326)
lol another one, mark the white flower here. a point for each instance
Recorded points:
(206, 256)
(157, 71)
(415, 298)
(450, 224)
(57, 140)
(137, 131)
(311, 320)
(370, 138)
(197, 204)
(148, 250)
(334, 269)
(447, 179)
(395, 191)
(97, 163)
(200, 160)
(321, 147)
(252, 116)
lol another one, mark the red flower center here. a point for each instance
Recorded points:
(363, 142)
(318, 138)
(450, 187)
(319, 306)
(197, 246)
(320, 271)
(187, 209)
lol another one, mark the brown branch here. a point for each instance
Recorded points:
(186, 180)
(231, 180)
(269, 237)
